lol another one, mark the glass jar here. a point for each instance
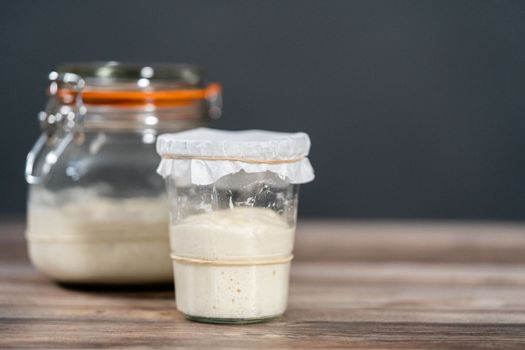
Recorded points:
(233, 199)
(96, 209)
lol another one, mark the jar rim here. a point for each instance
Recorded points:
(131, 76)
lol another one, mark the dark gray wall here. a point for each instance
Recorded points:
(416, 109)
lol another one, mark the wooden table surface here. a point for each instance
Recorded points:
(365, 285)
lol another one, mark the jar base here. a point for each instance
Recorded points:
(231, 321)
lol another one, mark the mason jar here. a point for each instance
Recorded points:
(233, 199)
(97, 212)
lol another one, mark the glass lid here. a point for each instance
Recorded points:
(135, 76)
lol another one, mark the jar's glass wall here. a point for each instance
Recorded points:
(242, 227)
(264, 190)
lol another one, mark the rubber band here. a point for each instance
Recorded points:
(237, 159)
(196, 261)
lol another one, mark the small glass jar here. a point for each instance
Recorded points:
(96, 209)
(233, 199)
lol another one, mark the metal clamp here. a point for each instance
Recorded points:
(61, 123)
(214, 100)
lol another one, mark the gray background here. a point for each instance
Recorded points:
(416, 109)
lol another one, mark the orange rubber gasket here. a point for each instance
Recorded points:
(162, 98)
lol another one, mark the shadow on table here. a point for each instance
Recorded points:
(139, 291)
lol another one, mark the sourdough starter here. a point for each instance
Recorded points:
(225, 291)
(87, 238)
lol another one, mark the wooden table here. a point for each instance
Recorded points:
(353, 285)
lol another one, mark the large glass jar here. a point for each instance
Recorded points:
(233, 199)
(97, 211)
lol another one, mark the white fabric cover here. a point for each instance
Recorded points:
(249, 144)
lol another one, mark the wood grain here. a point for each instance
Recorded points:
(353, 285)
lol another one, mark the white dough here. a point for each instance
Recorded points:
(225, 291)
(93, 239)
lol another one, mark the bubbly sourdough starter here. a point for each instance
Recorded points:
(92, 239)
(225, 291)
